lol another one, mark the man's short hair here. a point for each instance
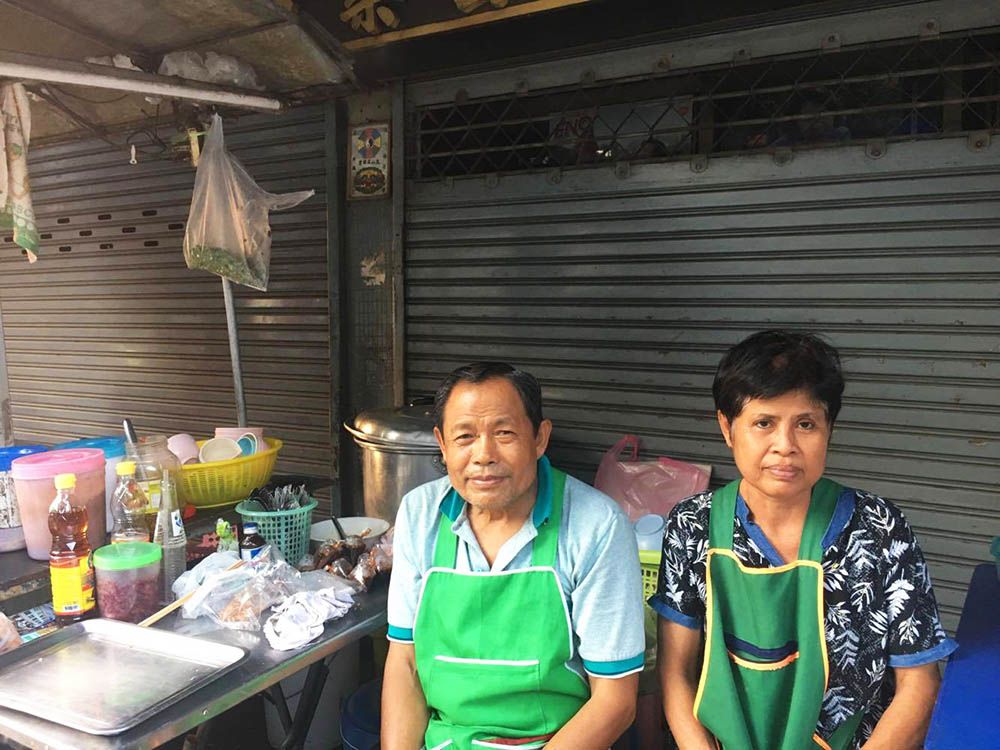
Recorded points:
(772, 363)
(478, 372)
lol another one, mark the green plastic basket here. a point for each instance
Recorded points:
(288, 530)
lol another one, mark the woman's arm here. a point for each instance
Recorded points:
(603, 718)
(679, 667)
(905, 721)
(404, 708)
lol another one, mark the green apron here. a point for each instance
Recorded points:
(492, 648)
(765, 668)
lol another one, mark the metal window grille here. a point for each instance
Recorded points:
(933, 86)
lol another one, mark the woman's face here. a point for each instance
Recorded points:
(779, 445)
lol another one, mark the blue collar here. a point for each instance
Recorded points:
(841, 517)
(452, 503)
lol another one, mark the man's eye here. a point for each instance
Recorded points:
(762, 423)
(805, 424)
(463, 437)
(504, 433)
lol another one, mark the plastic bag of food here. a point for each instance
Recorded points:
(189, 580)
(9, 637)
(642, 487)
(227, 229)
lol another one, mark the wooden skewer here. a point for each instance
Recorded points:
(159, 615)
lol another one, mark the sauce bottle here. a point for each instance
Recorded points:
(252, 542)
(70, 566)
(128, 507)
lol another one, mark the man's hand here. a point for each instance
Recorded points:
(603, 718)
(404, 708)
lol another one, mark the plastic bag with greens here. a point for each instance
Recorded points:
(227, 229)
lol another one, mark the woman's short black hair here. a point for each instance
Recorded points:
(772, 363)
(478, 372)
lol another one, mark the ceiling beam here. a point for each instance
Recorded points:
(25, 67)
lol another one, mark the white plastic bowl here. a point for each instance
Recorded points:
(324, 531)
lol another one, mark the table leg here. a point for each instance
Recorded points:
(308, 702)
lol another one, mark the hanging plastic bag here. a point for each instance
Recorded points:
(227, 230)
(642, 487)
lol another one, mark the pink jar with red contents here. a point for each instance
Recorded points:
(34, 484)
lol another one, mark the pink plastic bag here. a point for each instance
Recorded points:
(642, 487)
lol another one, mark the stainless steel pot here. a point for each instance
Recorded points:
(399, 453)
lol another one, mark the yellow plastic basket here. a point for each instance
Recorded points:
(219, 483)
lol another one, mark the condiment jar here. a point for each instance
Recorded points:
(151, 456)
(128, 580)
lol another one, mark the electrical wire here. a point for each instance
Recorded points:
(61, 90)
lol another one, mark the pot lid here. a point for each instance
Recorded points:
(411, 425)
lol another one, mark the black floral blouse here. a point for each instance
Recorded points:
(880, 607)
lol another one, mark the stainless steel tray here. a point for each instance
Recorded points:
(105, 676)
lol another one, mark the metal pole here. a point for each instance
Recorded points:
(234, 354)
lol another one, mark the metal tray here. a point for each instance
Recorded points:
(104, 676)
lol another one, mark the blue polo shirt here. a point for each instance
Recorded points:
(597, 565)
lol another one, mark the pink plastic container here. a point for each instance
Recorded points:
(33, 482)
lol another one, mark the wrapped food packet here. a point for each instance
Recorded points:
(9, 637)
(364, 572)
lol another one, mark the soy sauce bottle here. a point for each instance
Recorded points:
(71, 567)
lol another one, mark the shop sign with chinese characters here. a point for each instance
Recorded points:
(368, 161)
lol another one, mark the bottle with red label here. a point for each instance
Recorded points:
(70, 563)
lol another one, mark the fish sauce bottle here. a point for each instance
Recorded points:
(71, 565)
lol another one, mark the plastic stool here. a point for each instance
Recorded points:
(361, 718)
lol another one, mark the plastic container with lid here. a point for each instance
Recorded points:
(128, 580)
(649, 531)
(33, 477)
(11, 534)
(114, 451)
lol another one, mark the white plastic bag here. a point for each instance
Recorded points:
(227, 229)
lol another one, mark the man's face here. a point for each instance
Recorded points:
(489, 446)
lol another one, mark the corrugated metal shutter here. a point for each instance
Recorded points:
(110, 323)
(622, 294)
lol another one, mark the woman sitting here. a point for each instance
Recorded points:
(795, 613)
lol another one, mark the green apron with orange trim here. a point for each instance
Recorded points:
(765, 668)
(492, 648)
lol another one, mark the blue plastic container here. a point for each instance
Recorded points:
(11, 536)
(112, 445)
(361, 718)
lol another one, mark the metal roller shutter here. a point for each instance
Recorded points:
(622, 294)
(110, 323)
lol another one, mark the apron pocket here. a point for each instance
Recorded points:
(486, 693)
(750, 656)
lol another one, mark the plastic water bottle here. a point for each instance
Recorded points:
(171, 537)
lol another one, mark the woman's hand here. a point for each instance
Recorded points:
(904, 723)
(679, 668)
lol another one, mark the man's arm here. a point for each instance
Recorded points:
(679, 667)
(603, 718)
(905, 721)
(404, 708)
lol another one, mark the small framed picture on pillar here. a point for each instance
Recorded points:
(368, 161)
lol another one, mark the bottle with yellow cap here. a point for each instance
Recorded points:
(70, 564)
(128, 507)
